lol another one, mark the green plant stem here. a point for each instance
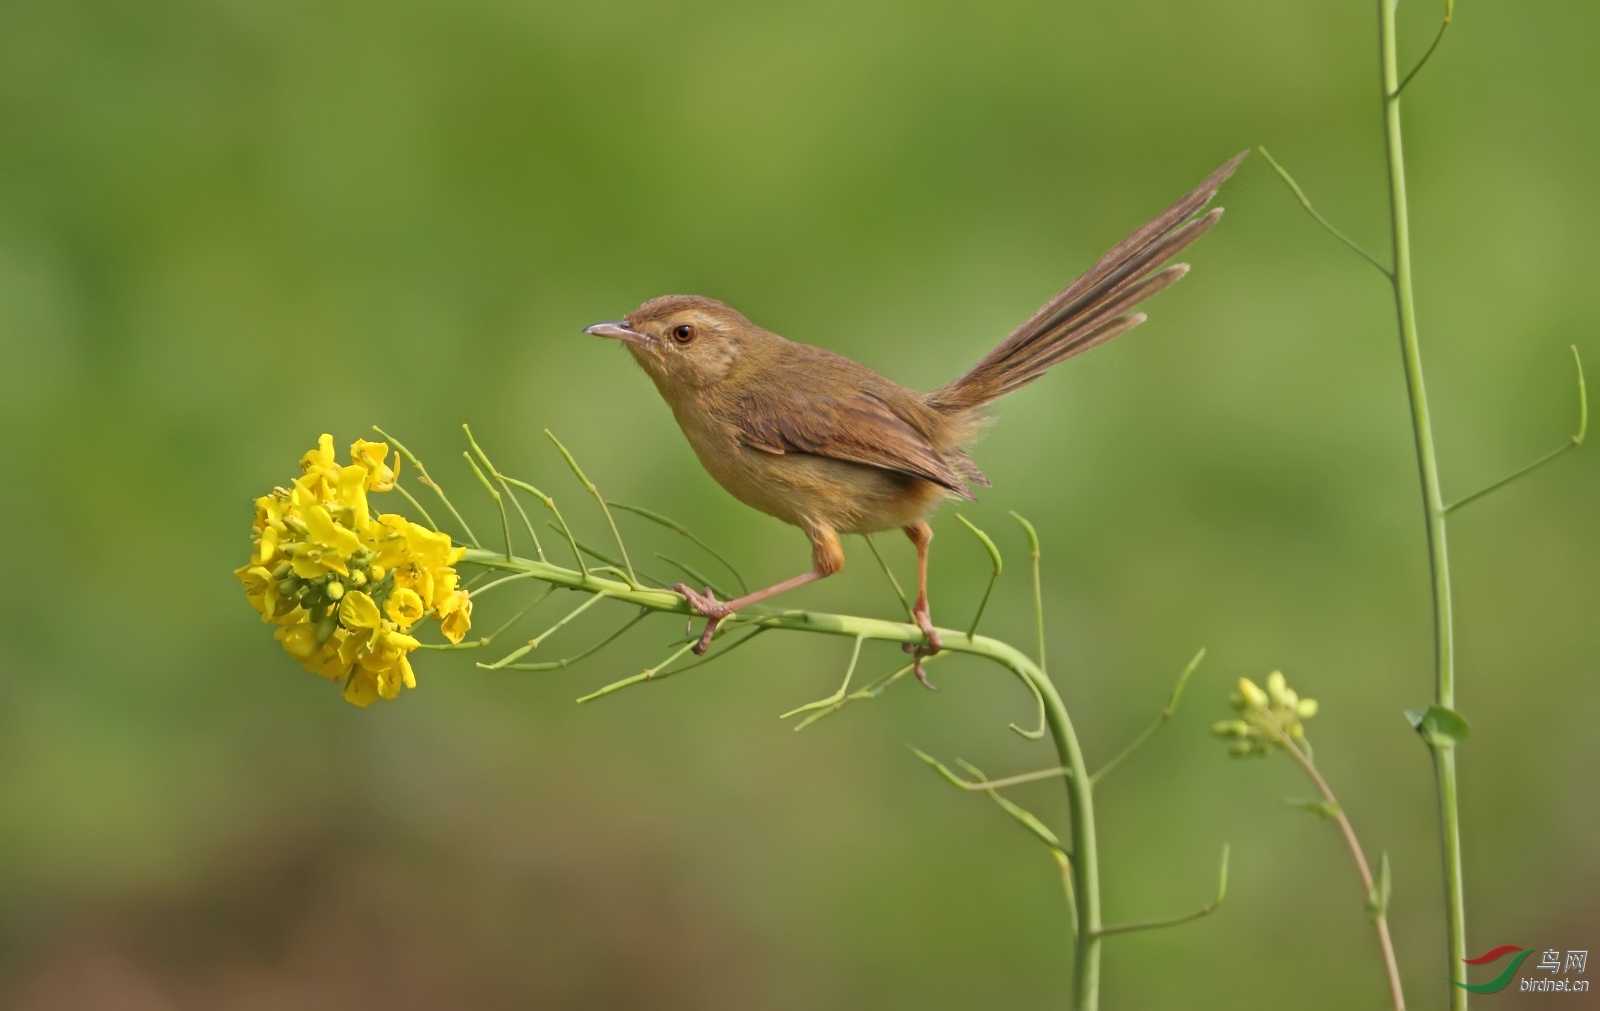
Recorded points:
(1444, 758)
(1080, 792)
(1380, 915)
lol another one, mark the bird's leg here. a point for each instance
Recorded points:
(922, 536)
(707, 605)
(827, 557)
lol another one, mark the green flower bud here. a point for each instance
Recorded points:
(334, 590)
(1244, 749)
(289, 587)
(1306, 709)
(325, 629)
(358, 578)
(1230, 728)
(283, 570)
(1252, 695)
(1276, 686)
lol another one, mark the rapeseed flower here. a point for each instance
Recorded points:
(344, 587)
(1268, 718)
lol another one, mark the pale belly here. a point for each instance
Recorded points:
(815, 491)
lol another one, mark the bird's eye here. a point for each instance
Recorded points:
(683, 333)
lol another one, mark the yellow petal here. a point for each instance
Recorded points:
(267, 545)
(404, 607)
(323, 529)
(357, 610)
(400, 641)
(374, 456)
(430, 548)
(362, 690)
(299, 641)
(322, 456)
(353, 492)
(457, 621)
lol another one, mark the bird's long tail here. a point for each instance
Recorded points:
(1094, 308)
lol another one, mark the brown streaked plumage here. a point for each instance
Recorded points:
(829, 445)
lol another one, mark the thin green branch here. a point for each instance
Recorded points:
(980, 785)
(485, 588)
(565, 662)
(836, 697)
(1038, 621)
(1027, 819)
(1064, 864)
(642, 676)
(1449, 12)
(683, 531)
(996, 564)
(1173, 921)
(533, 644)
(722, 631)
(874, 689)
(561, 524)
(582, 477)
(422, 475)
(494, 493)
(414, 503)
(905, 604)
(1305, 202)
(1572, 443)
(611, 563)
(1160, 721)
(494, 472)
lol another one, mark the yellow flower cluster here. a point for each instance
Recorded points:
(1268, 717)
(345, 587)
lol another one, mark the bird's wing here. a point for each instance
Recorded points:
(859, 427)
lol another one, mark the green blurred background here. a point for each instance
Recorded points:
(226, 227)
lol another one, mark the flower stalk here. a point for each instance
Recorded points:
(1441, 746)
(1440, 726)
(1273, 719)
(421, 562)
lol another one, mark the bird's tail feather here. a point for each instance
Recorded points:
(1094, 308)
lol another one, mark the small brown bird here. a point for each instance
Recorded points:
(831, 446)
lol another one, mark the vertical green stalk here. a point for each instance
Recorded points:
(1085, 858)
(1444, 760)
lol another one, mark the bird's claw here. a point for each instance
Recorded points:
(707, 606)
(918, 651)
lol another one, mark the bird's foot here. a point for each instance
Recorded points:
(707, 606)
(933, 645)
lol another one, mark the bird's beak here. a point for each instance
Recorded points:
(618, 329)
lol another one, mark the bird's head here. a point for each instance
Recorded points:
(683, 340)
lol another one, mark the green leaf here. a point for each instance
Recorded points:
(1439, 726)
(1378, 898)
(1316, 807)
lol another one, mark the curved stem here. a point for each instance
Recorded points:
(1433, 502)
(1305, 202)
(1449, 13)
(1380, 915)
(1085, 864)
